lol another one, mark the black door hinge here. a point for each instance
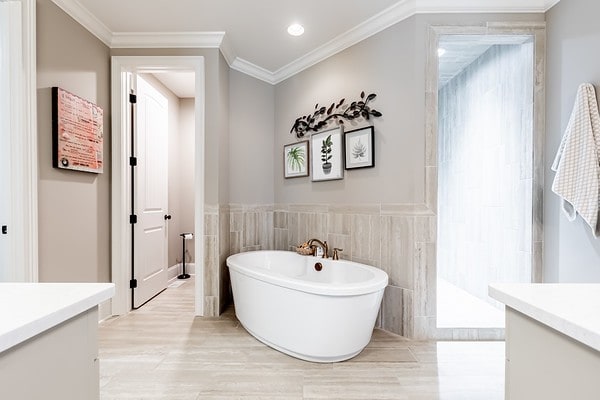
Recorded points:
(133, 284)
(4, 229)
(132, 98)
(133, 219)
(133, 161)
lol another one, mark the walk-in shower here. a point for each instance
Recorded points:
(485, 173)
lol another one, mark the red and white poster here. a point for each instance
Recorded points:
(78, 132)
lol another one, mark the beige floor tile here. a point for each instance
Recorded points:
(162, 351)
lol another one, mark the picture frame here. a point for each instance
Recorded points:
(77, 133)
(327, 155)
(296, 158)
(359, 148)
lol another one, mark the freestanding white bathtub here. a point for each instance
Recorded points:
(319, 316)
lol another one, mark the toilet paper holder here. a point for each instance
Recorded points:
(184, 237)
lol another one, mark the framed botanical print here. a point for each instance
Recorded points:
(359, 148)
(295, 159)
(327, 155)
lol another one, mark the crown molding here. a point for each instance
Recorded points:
(227, 50)
(246, 67)
(386, 18)
(86, 19)
(167, 39)
(550, 3)
(490, 6)
(398, 12)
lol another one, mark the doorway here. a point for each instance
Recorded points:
(485, 161)
(163, 188)
(122, 68)
(149, 189)
(430, 302)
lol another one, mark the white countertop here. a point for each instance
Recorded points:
(28, 309)
(570, 308)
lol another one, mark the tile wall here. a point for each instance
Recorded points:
(486, 176)
(216, 250)
(400, 239)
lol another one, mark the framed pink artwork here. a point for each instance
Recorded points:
(77, 133)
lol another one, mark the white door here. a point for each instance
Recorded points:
(10, 54)
(150, 193)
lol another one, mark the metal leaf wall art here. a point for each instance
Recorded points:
(339, 112)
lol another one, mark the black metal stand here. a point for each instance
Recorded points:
(183, 275)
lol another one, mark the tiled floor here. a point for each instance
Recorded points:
(457, 308)
(163, 352)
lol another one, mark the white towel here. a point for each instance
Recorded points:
(577, 179)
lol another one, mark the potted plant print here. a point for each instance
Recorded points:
(326, 154)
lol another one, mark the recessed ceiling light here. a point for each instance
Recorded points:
(295, 29)
(441, 52)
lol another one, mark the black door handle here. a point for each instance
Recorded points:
(168, 216)
(4, 229)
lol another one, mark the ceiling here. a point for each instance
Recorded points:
(252, 35)
(462, 50)
(182, 84)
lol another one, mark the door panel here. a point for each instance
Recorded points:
(151, 193)
(10, 79)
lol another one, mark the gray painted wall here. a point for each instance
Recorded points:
(392, 65)
(186, 176)
(383, 64)
(251, 123)
(74, 207)
(571, 253)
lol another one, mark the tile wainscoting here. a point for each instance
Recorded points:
(400, 239)
(217, 293)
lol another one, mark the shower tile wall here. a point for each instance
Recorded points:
(485, 163)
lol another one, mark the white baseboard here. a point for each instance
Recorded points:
(174, 270)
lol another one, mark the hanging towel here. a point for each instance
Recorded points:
(576, 163)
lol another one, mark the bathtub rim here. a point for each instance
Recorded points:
(377, 283)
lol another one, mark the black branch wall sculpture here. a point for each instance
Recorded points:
(339, 112)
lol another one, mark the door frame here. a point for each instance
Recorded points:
(120, 229)
(23, 223)
(425, 307)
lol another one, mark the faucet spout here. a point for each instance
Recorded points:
(322, 244)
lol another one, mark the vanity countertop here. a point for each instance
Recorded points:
(572, 309)
(28, 309)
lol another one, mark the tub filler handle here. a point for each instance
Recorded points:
(335, 253)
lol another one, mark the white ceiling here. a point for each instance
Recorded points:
(182, 84)
(252, 33)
